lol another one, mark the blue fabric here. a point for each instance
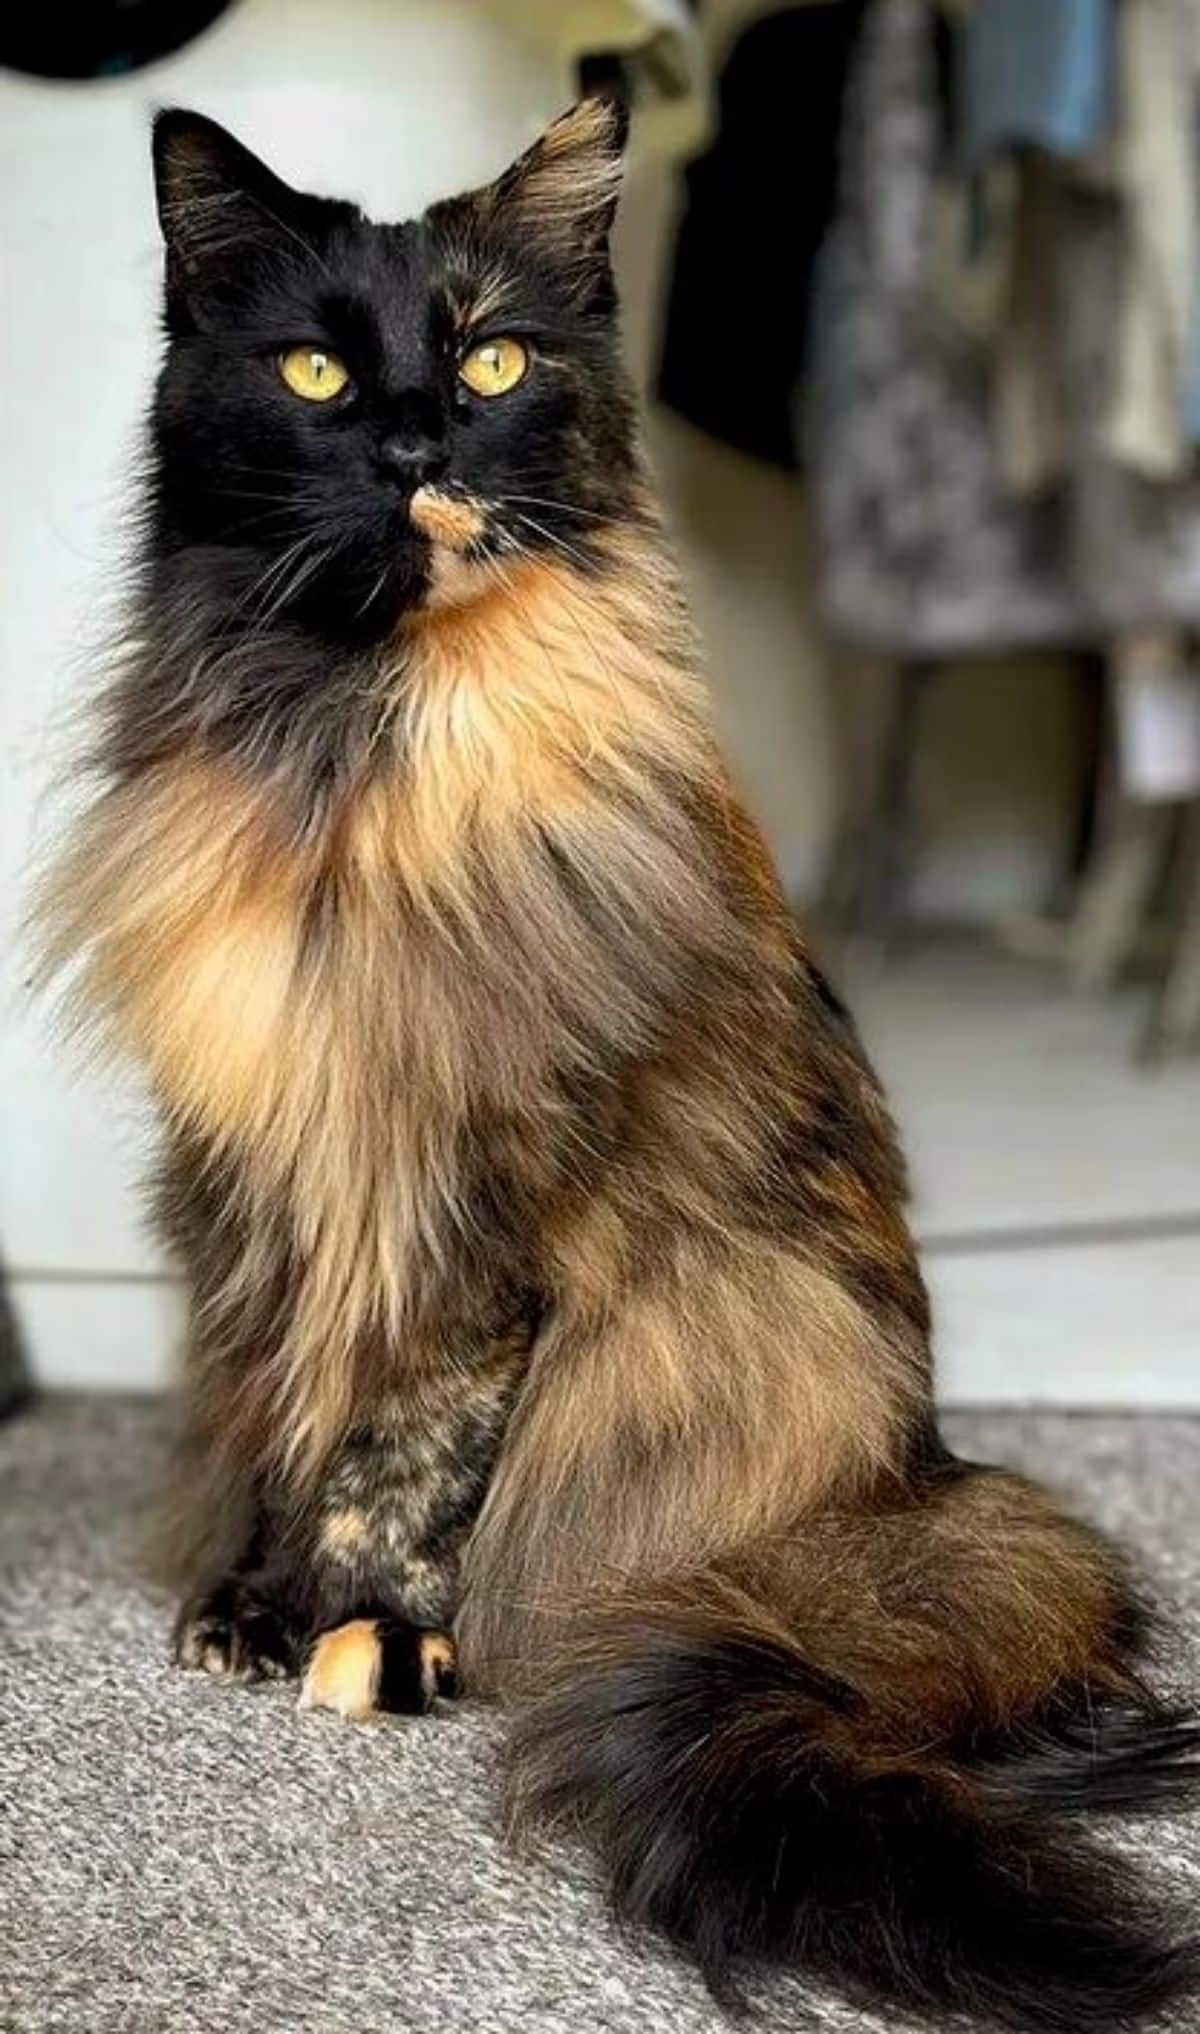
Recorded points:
(1036, 72)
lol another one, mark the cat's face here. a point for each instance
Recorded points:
(357, 420)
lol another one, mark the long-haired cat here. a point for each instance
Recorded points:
(555, 1325)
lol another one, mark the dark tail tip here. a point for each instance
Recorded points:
(1131, 1760)
(716, 1776)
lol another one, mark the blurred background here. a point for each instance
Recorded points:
(913, 293)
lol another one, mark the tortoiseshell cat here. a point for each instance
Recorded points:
(554, 1319)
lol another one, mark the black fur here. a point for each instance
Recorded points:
(240, 1628)
(404, 1686)
(703, 1767)
(1131, 1760)
(249, 1628)
(243, 471)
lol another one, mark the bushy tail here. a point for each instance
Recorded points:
(871, 1754)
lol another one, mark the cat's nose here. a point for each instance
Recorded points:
(412, 459)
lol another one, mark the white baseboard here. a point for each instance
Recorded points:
(1070, 1324)
(103, 1334)
(1074, 1324)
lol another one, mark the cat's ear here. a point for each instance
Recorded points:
(562, 193)
(217, 203)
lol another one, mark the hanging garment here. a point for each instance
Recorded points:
(1158, 164)
(924, 551)
(1112, 90)
(758, 204)
(927, 551)
(1035, 73)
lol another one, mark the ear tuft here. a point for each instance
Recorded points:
(563, 191)
(598, 124)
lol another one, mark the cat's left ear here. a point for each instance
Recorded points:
(561, 195)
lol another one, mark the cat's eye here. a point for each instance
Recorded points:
(494, 366)
(311, 372)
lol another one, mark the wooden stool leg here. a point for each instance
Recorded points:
(1153, 714)
(1175, 1020)
(890, 839)
(1116, 892)
(1090, 686)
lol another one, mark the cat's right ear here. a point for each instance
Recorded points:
(217, 203)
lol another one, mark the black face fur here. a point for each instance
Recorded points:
(275, 515)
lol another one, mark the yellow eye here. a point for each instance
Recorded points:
(312, 373)
(494, 367)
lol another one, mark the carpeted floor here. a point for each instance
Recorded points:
(178, 1857)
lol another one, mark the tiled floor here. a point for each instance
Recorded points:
(1057, 1184)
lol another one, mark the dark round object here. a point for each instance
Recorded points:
(99, 38)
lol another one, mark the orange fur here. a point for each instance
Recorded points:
(446, 518)
(189, 893)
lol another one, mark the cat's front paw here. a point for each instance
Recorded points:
(236, 1635)
(379, 1665)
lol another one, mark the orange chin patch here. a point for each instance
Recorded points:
(456, 580)
(446, 518)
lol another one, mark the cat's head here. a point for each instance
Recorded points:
(355, 420)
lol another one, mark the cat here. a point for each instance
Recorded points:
(555, 1324)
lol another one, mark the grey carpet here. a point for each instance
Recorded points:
(178, 1857)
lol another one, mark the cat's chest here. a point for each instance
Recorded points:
(287, 998)
(496, 905)
(298, 1006)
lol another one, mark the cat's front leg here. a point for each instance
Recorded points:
(351, 1597)
(395, 1509)
(249, 1622)
(379, 1665)
(244, 1628)
(352, 1582)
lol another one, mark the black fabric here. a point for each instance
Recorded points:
(758, 204)
(103, 39)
